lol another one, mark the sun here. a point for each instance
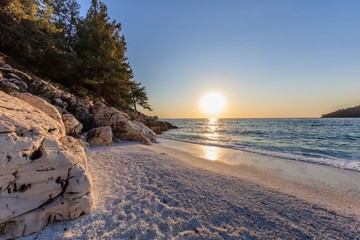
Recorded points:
(212, 104)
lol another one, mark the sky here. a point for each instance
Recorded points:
(269, 59)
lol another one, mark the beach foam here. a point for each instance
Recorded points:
(353, 165)
(330, 142)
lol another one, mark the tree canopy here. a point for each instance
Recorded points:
(87, 53)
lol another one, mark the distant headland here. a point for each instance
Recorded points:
(353, 112)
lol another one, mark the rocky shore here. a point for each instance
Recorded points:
(44, 132)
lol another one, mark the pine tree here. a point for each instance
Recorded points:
(102, 50)
(66, 16)
(139, 96)
(88, 53)
(25, 27)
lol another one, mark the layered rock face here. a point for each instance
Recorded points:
(42, 171)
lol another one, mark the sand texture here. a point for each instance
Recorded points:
(143, 194)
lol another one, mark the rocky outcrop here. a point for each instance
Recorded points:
(7, 69)
(68, 103)
(79, 114)
(40, 104)
(16, 81)
(101, 136)
(144, 129)
(152, 122)
(72, 125)
(120, 124)
(42, 171)
(8, 86)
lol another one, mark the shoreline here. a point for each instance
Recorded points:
(310, 181)
(326, 163)
(158, 192)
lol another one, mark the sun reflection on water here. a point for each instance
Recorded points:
(212, 120)
(210, 153)
(212, 129)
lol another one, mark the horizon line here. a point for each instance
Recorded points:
(240, 117)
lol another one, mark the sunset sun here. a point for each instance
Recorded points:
(212, 104)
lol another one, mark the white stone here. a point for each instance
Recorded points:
(42, 171)
(41, 105)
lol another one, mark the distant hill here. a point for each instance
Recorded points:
(353, 112)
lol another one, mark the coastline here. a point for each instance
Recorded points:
(162, 191)
(333, 187)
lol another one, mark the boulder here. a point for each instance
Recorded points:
(7, 86)
(72, 125)
(152, 122)
(147, 131)
(67, 102)
(75, 146)
(8, 69)
(12, 75)
(23, 87)
(101, 136)
(82, 141)
(41, 105)
(120, 124)
(58, 102)
(43, 175)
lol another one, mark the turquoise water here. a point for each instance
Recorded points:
(333, 142)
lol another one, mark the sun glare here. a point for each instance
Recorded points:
(212, 104)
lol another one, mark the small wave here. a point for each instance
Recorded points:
(250, 132)
(332, 142)
(345, 164)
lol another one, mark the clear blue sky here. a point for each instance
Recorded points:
(268, 58)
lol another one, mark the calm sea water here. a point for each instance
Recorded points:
(333, 142)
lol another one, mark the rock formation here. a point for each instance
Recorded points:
(40, 104)
(152, 122)
(42, 174)
(72, 125)
(79, 114)
(120, 124)
(101, 136)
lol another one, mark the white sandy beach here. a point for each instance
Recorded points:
(161, 192)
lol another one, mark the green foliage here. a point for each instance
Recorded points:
(26, 27)
(89, 53)
(139, 96)
(66, 17)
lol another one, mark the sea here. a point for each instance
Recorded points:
(327, 141)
